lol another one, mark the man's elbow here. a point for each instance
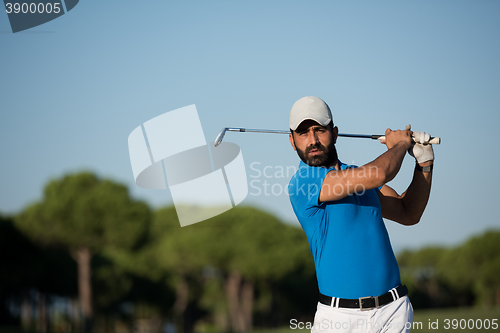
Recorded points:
(376, 175)
(381, 178)
(410, 220)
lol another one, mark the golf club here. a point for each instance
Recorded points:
(220, 136)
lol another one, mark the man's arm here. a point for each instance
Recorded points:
(339, 184)
(407, 208)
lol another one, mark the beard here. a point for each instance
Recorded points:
(326, 159)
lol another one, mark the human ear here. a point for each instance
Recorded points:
(292, 142)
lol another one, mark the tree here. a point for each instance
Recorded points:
(478, 263)
(419, 271)
(458, 276)
(20, 267)
(85, 214)
(251, 247)
(178, 252)
(242, 248)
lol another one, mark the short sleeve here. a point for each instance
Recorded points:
(304, 189)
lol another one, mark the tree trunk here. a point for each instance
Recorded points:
(433, 292)
(247, 304)
(181, 302)
(42, 313)
(232, 287)
(83, 257)
(239, 296)
(26, 311)
(75, 315)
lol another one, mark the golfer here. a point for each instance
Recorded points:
(340, 207)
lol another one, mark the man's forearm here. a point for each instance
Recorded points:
(390, 161)
(417, 195)
(369, 176)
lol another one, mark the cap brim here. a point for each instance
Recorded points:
(323, 121)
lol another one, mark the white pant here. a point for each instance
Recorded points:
(396, 316)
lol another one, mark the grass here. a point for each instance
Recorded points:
(453, 318)
(440, 319)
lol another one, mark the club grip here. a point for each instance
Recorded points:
(433, 140)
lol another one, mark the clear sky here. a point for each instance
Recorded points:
(73, 89)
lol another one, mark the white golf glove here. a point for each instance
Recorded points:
(421, 149)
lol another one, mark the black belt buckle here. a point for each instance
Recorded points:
(368, 308)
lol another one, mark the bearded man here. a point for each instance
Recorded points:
(341, 209)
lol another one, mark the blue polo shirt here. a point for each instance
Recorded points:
(348, 239)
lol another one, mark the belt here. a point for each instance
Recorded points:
(365, 303)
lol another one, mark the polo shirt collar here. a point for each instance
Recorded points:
(343, 166)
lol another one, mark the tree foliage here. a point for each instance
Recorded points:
(236, 256)
(85, 215)
(81, 210)
(223, 274)
(458, 276)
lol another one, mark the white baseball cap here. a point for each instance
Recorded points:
(310, 107)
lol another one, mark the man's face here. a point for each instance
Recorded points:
(315, 144)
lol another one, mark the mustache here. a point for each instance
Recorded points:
(318, 146)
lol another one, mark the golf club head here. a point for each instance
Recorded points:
(220, 137)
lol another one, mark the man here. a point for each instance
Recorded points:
(340, 208)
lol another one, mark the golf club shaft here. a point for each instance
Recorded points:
(220, 137)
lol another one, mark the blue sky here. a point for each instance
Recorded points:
(74, 88)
